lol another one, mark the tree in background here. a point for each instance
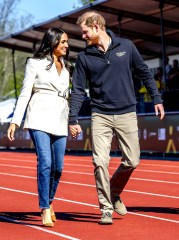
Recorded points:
(84, 2)
(10, 23)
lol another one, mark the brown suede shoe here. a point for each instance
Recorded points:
(53, 217)
(46, 218)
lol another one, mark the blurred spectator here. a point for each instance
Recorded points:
(173, 81)
(168, 68)
(160, 84)
(159, 78)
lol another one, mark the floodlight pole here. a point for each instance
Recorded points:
(120, 25)
(161, 6)
(14, 73)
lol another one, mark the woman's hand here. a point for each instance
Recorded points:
(75, 130)
(11, 131)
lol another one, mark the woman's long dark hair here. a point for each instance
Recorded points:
(49, 41)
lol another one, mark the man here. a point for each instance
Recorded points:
(106, 63)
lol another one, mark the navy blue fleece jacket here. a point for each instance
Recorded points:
(110, 79)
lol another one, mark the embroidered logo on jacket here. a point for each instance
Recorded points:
(120, 54)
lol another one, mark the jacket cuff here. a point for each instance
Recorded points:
(157, 100)
(73, 121)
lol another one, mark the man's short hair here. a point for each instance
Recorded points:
(90, 18)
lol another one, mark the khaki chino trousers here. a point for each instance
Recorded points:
(126, 130)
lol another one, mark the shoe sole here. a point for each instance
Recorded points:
(48, 225)
(105, 223)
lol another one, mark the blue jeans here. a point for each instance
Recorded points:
(50, 150)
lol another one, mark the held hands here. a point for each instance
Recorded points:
(75, 130)
(11, 131)
(159, 110)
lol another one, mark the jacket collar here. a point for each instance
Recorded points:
(115, 40)
(48, 57)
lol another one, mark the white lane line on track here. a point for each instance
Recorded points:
(93, 186)
(16, 166)
(83, 173)
(153, 194)
(59, 199)
(91, 205)
(154, 171)
(17, 175)
(118, 161)
(138, 179)
(153, 217)
(87, 160)
(38, 228)
(90, 166)
(136, 170)
(17, 160)
(91, 174)
(160, 165)
(153, 180)
(132, 191)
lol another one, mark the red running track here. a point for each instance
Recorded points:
(151, 197)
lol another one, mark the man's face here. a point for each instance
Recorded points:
(90, 34)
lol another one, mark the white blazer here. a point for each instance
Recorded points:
(42, 95)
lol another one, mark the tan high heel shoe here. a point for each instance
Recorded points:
(46, 218)
(53, 217)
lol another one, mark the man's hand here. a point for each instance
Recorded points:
(75, 130)
(159, 110)
(11, 131)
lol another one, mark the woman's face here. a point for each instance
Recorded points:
(61, 49)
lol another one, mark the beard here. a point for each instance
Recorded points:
(93, 40)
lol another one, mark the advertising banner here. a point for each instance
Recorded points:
(154, 135)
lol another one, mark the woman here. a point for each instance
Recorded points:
(44, 93)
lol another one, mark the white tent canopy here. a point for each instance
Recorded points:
(138, 20)
(6, 110)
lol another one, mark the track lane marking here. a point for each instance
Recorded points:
(91, 174)
(90, 166)
(92, 205)
(113, 161)
(93, 186)
(17, 160)
(136, 170)
(38, 228)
